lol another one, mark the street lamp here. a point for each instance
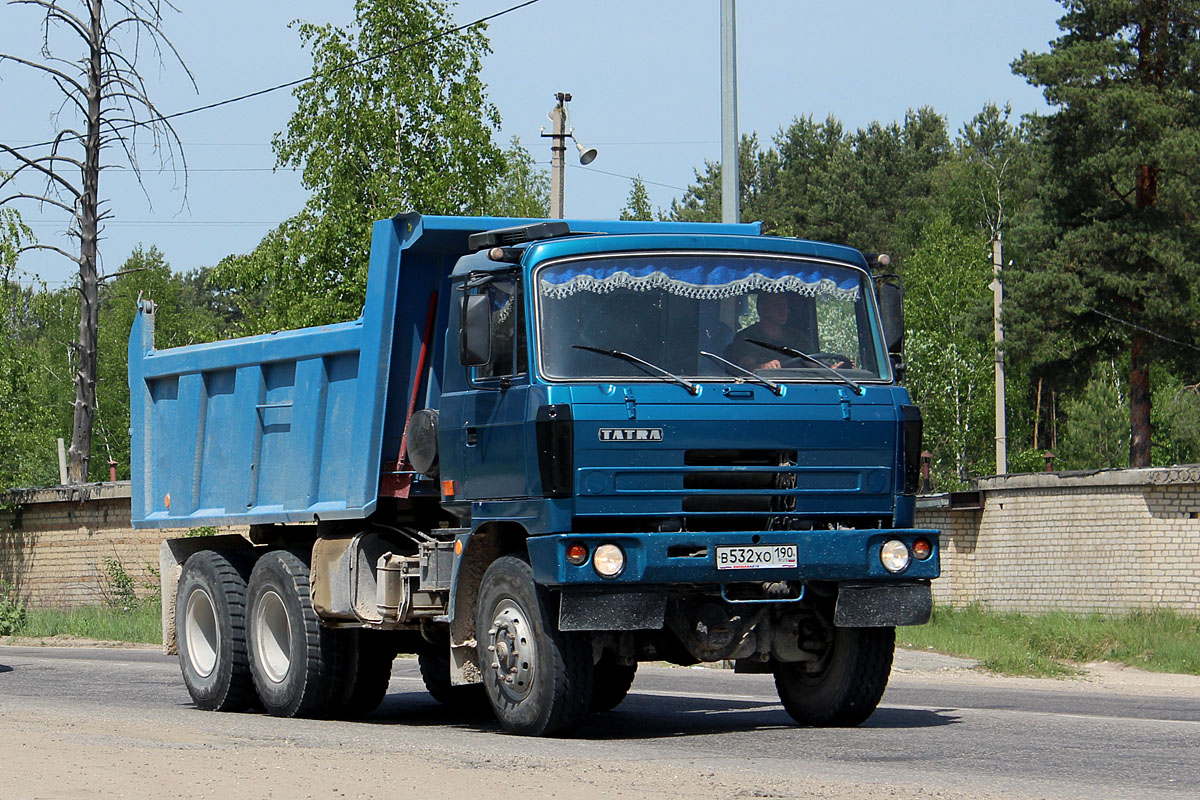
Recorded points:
(558, 149)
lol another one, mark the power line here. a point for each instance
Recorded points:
(163, 222)
(1143, 329)
(289, 84)
(627, 177)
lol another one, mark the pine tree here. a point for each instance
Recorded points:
(1116, 221)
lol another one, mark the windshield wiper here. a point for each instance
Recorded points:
(631, 358)
(794, 353)
(772, 385)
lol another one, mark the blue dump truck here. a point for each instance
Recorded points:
(545, 452)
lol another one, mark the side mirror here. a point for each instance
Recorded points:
(891, 311)
(475, 333)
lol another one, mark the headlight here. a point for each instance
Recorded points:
(609, 560)
(894, 555)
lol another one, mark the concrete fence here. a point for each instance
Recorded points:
(1109, 541)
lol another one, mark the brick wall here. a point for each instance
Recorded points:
(1109, 541)
(54, 544)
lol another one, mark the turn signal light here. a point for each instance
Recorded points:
(577, 553)
(922, 549)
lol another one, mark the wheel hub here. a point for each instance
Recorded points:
(512, 650)
(201, 633)
(273, 636)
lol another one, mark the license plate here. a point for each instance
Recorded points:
(757, 556)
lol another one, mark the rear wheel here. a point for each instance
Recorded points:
(210, 626)
(293, 658)
(845, 685)
(538, 679)
(612, 682)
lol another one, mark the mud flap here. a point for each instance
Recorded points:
(878, 605)
(611, 611)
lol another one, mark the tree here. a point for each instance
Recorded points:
(396, 120)
(638, 204)
(949, 350)
(105, 92)
(1096, 435)
(523, 189)
(31, 393)
(186, 316)
(869, 189)
(702, 201)
(1115, 218)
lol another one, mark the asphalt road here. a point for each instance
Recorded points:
(939, 732)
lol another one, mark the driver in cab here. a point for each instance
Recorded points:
(775, 327)
(772, 326)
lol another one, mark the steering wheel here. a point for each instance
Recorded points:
(832, 358)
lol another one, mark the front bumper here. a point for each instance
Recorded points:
(690, 557)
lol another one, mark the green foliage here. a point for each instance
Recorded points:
(1176, 418)
(118, 587)
(1050, 644)
(36, 348)
(397, 121)
(1123, 79)
(948, 308)
(867, 189)
(523, 189)
(638, 204)
(1096, 434)
(12, 611)
(203, 530)
(188, 314)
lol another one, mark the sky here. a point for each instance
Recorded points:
(644, 75)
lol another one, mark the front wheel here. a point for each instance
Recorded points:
(844, 687)
(612, 682)
(537, 678)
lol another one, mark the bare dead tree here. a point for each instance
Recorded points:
(105, 107)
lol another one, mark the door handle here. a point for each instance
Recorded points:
(472, 437)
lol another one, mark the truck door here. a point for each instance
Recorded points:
(494, 406)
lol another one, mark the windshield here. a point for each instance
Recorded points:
(710, 316)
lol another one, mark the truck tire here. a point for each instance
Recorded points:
(434, 660)
(362, 674)
(844, 687)
(537, 678)
(293, 658)
(611, 683)
(210, 627)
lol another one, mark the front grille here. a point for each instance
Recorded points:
(733, 481)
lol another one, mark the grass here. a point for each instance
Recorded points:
(1049, 645)
(141, 623)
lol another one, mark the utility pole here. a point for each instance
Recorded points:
(998, 335)
(558, 150)
(730, 191)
